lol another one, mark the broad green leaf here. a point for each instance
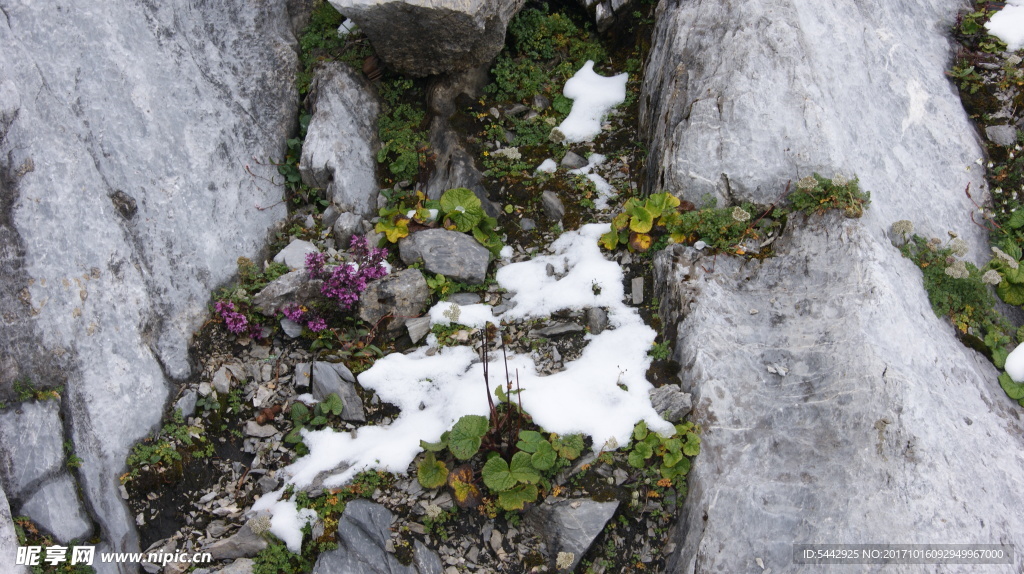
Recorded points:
(1013, 389)
(692, 445)
(1013, 250)
(672, 458)
(299, 413)
(673, 445)
(499, 392)
(516, 498)
(1011, 293)
(318, 421)
(459, 197)
(497, 475)
(545, 456)
(332, 404)
(621, 221)
(568, 447)
(522, 468)
(640, 430)
(1016, 219)
(1015, 276)
(465, 437)
(641, 220)
(529, 440)
(636, 457)
(431, 472)
(609, 240)
(999, 357)
(294, 436)
(464, 220)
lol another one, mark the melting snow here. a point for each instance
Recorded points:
(602, 394)
(592, 96)
(605, 191)
(1008, 25)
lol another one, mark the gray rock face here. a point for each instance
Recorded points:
(289, 289)
(880, 414)
(455, 255)
(570, 525)
(339, 152)
(8, 538)
(332, 378)
(1002, 135)
(34, 472)
(126, 200)
(240, 566)
(363, 531)
(31, 434)
(428, 37)
(597, 320)
(877, 412)
(54, 506)
(399, 296)
(739, 100)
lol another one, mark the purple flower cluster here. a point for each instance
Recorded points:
(301, 315)
(236, 321)
(343, 283)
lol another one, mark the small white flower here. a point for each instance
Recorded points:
(992, 277)
(699, 245)
(564, 560)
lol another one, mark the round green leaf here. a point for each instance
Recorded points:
(431, 473)
(522, 469)
(568, 447)
(545, 456)
(465, 437)
(496, 475)
(692, 445)
(516, 498)
(1013, 389)
(1011, 293)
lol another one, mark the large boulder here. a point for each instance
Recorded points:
(455, 255)
(842, 410)
(339, 152)
(364, 531)
(128, 189)
(391, 301)
(428, 37)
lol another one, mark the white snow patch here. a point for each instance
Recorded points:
(548, 166)
(1015, 364)
(602, 394)
(286, 519)
(477, 315)
(605, 191)
(506, 252)
(592, 96)
(1008, 25)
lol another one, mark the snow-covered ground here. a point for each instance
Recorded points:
(603, 394)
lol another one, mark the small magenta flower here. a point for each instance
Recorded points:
(316, 325)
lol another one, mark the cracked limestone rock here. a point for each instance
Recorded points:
(430, 37)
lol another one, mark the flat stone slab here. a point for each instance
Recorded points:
(455, 255)
(570, 525)
(364, 530)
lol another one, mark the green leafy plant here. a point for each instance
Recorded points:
(672, 450)
(660, 351)
(162, 454)
(316, 418)
(817, 194)
(440, 286)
